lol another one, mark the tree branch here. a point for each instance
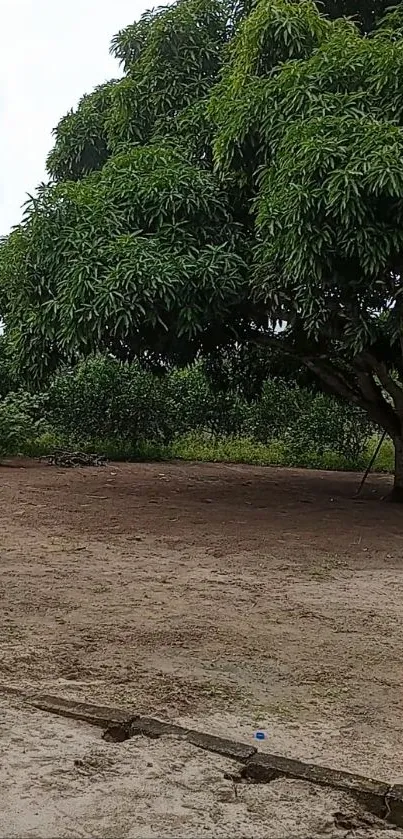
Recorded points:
(388, 383)
(366, 394)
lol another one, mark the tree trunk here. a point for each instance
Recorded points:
(397, 491)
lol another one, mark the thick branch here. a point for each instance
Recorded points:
(388, 383)
(365, 393)
(333, 379)
(378, 408)
(369, 397)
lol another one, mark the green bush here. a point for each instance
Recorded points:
(200, 407)
(104, 399)
(278, 411)
(127, 405)
(101, 398)
(128, 412)
(17, 429)
(309, 422)
(8, 381)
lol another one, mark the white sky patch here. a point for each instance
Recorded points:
(51, 53)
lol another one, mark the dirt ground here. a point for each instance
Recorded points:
(229, 597)
(59, 778)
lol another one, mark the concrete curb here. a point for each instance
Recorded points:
(382, 800)
(263, 768)
(100, 715)
(151, 727)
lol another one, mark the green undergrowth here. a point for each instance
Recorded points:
(130, 413)
(199, 447)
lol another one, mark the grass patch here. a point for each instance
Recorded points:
(208, 449)
(385, 459)
(244, 450)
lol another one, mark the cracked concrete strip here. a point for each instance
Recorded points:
(58, 777)
(381, 799)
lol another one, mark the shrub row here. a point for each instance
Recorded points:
(102, 399)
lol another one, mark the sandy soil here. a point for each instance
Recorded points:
(59, 778)
(230, 597)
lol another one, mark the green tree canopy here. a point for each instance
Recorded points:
(248, 168)
(171, 58)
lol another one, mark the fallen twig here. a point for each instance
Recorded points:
(73, 459)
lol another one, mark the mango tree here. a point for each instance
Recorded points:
(248, 169)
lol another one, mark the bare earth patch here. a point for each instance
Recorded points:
(231, 597)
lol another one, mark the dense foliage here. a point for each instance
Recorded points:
(20, 423)
(105, 403)
(247, 169)
(8, 379)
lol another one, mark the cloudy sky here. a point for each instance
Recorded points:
(51, 52)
